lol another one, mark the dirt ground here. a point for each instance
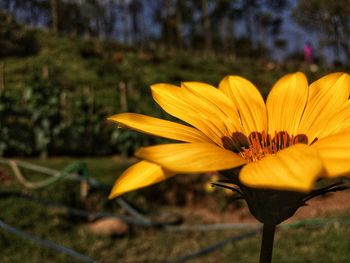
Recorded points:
(317, 207)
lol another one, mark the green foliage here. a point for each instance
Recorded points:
(44, 123)
(14, 137)
(15, 39)
(42, 103)
(244, 45)
(56, 101)
(85, 131)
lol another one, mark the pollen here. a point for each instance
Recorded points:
(261, 144)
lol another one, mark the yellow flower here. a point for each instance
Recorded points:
(302, 133)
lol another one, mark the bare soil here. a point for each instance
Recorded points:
(317, 207)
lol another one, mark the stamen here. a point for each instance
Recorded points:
(260, 144)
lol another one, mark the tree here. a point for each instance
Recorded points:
(54, 6)
(206, 25)
(331, 19)
(135, 9)
(178, 22)
(223, 18)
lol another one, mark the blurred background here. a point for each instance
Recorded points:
(66, 65)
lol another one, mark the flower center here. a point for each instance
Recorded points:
(261, 144)
(258, 145)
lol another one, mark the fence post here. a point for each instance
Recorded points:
(2, 76)
(123, 96)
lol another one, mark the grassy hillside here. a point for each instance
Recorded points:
(74, 63)
(60, 89)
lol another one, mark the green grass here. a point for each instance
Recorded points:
(75, 64)
(324, 244)
(329, 243)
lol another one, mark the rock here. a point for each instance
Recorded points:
(108, 227)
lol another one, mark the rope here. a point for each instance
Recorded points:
(215, 246)
(45, 243)
(91, 216)
(209, 227)
(82, 176)
(55, 175)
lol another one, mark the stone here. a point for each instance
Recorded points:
(108, 227)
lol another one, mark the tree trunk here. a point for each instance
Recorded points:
(2, 76)
(167, 24)
(135, 14)
(206, 26)
(247, 12)
(125, 21)
(178, 21)
(54, 4)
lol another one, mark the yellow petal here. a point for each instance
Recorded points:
(139, 175)
(295, 168)
(286, 103)
(214, 99)
(335, 154)
(191, 157)
(159, 127)
(249, 103)
(338, 123)
(175, 101)
(326, 96)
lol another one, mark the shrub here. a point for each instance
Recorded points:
(15, 39)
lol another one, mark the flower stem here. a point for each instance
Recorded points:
(267, 243)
